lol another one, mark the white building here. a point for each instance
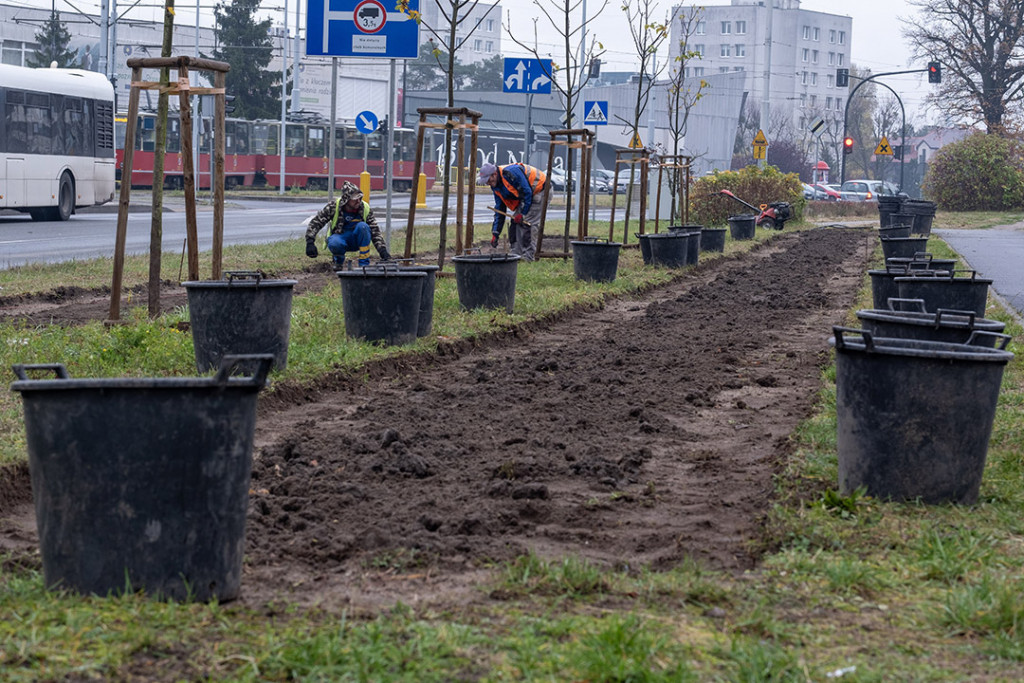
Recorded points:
(795, 63)
(484, 20)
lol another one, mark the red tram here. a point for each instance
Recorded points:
(252, 157)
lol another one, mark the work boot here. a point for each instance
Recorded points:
(339, 262)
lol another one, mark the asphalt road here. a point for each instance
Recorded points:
(996, 254)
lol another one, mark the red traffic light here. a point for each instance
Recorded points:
(847, 145)
(934, 72)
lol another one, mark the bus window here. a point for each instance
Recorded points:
(315, 142)
(76, 130)
(294, 141)
(37, 116)
(16, 122)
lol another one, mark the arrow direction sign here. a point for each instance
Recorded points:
(361, 28)
(366, 122)
(527, 75)
(596, 112)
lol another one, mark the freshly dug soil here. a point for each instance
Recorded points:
(640, 434)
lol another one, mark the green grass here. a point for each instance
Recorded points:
(848, 585)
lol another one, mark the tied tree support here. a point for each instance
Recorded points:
(181, 88)
(585, 144)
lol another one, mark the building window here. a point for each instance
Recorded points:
(807, 33)
(490, 25)
(842, 37)
(489, 46)
(803, 99)
(726, 50)
(814, 78)
(723, 69)
(831, 58)
(741, 27)
(839, 104)
(741, 50)
(828, 103)
(14, 52)
(698, 71)
(832, 35)
(817, 33)
(803, 78)
(806, 54)
(814, 56)
(726, 27)
(702, 27)
(839, 59)
(831, 82)
(814, 100)
(478, 45)
(699, 49)
(738, 68)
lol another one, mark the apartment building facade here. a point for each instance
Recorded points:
(795, 63)
(484, 20)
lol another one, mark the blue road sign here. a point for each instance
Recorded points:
(595, 112)
(366, 122)
(527, 75)
(361, 28)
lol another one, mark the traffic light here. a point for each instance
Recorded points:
(595, 69)
(934, 72)
(847, 145)
(383, 127)
(228, 107)
(897, 152)
(842, 78)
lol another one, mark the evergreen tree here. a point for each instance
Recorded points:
(53, 39)
(484, 75)
(246, 45)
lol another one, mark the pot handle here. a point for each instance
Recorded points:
(259, 377)
(837, 330)
(970, 315)
(21, 369)
(1002, 340)
(896, 300)
(232, 275)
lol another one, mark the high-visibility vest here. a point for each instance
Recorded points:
(534, 176)
(337, 213)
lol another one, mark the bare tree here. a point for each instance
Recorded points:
(886, 120)
(858, 125)
(453, 14)
(571, 76)
(683, 93)
(979, 44)
(647, 34)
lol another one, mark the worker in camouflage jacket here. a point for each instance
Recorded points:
(351, 227)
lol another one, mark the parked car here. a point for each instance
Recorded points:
(831, 192)
(862, 190)
(558, 181)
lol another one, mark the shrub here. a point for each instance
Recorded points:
(979, 173)
(752, 185)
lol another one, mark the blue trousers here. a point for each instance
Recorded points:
(356, 237)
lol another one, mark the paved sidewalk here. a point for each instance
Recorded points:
(997, 254)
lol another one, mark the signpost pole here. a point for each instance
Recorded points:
(390, 157)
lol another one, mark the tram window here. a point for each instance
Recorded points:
(294, 141)
(315, 142)
(353, 144)
(173, 135)
(273, 139)
(147, 133)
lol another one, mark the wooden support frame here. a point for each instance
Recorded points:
(676, 162)
(184, 90)
(584, 143)
(633, 157)
(455, 119)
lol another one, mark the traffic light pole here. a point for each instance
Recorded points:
(846, 112)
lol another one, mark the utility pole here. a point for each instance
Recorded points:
(765, 113)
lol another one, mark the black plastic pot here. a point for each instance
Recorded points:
(142, 484)
(921, 261)
(888, 205)
(669, 249)
(943, 289)
(900, 219)
(242, 314)
(595, 260)
(903, 247)
(952, 327)
(914, 417)
(712, 239)
(883, 284)
(923, 212)
(645, 247)
(425, 323)
(742, 227)
(382, 304)
(693, 247)
(894, 231)
(486, 280)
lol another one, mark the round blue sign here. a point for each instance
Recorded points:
(366, 122)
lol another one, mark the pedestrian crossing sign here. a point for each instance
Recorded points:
(596, 113)
(635, 143)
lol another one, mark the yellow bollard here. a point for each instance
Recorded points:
(421, 192)
(364, 185)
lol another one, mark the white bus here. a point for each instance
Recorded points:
(56, 140)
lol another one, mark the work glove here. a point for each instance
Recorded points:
(385, 255)
(494, 239)
(518, 218)
(311, 251)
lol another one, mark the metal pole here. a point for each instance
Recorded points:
(284, 95)
(765, 113)
(104, 63)
(334, 117)
(295, 62)
(390, 155)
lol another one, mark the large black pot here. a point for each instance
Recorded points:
(670, 249)
(953, 327)
(382, 304)
(142, 484)
(942, 289)
(742, 227)
(595, 260)
(903, 247)
(486, 280)
(712, 239)
(914, 417)
(425, 323)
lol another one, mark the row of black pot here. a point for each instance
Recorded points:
(915, 213)
(917, 385)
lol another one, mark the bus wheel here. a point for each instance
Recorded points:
(65, 200)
